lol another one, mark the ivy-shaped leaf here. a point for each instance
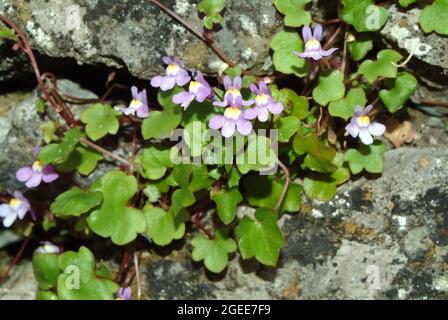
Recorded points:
(364, 15)
(260, 237)
(163, 227)
(59, 152)
(46, 270)
(258, 155)
(404, 87)
(114, 218)
(360, 47)
(345, 108)
(214, 252)
(155, 162)
(383, 67)
(79, 280)
(211, 9)
(284, 43)
(435, 17)
(181, 198)
(368, 157)
(287, 127)
(311, 145)
(82, 159)
(75, 202)
(331, 87)
(294, 104)
(100, 120)
(406, 3)
(7, 33)
(226, 203)
(294, 11)
(49, 129)
(160, 124)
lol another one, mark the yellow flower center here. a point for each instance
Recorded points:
(37, 166)
(135, 103)
(15, 203)
(262, 99)
(172, 69)
(312, 44)
(232, 113)
(194, 86)
(363, 121)
(235, 92)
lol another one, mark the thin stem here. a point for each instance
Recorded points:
(431, 102)
(333, 38)
(106, 152)
(332, 21)
(137, 277)
(15, 260)
(188, 26)
(285, 187)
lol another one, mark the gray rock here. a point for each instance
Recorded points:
(21, 284)
(136, 34)
(13, 66)
(384, 238)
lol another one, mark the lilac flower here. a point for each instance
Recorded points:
(48, 247)
(175, 74)
(17, 207)
(139, 104)
(124, 293)
(233, 117)
(199, 90)
(313, 47)
(33, 176)
(360, 125)
(264, 103)
(232, 90)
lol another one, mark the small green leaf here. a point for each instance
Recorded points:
(310, 144)
(435, 17)
(114, 218)
(284, 43)
(213, 252)
(406, 3)
(75, 202)
(257, 156)
(403, 88)
(368, 157)
(163, 227)
(331, 87)
(360, 47)
(181, 198)
(46, 270)
(287, 126)
(260, 238)
(49, 129)
(100, 120)
(82, 159)
(382, 67)
(155, 162)
(59, 152)
(79, 280)
(345, 108)
(226, 203)
(46, 295)
(364, 15)
(212, 9)
(294, 104)
(294, 11)
(7, 33)
(234, 178)
(152, 192)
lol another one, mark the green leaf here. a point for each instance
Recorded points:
(59, 152)
(100, 120)
(294, 11)
(382, 67)
(163, 227)
(364, 15)
(82, 159)
(181, 198)
(406, 3)
(152, 192)
(294, 104)
(49, 129)
(435, 17)
(360, 47)
(114, 218)
(260, 191)
(234, 178)
(403, 88)
(287, 126)
(46, 295)
(155, 162)
(331, 87)
(200, 178)
(75, 202)
(368, 157)
(195, 136)
(7, 33)
(79, 280)
(212, 9)
(284, 43)
(226, 203)
(260, 238)
(345, 108)
(161, 124)
(310, 144)
(46, 270)
(258, 155)
(214, 252)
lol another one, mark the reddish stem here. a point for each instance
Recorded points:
(15, 260)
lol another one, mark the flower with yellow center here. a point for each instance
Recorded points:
(135, 103)
(37, 166)
(194, 87)
(172, 70)
(232, 113)
(262, 99)
(312, 44)
(364, 121)
(15, 203)
(234, 92)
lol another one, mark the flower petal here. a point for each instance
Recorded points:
(48, 174)
(306, 33)
(244, 127)
(143, 111)
(368, 109)
(377, 129)
(5, 210)
(263, 114)
(182, 78)
(302, 55)
(327, 53)
(365, 136)
(157, 81)
(9, 220)
(352, 129)
(358, 111)
(237, 82)
(35, 180)
(228, 129)
(251, 113)
(275, 107)
(24, 174)
(134, 92)
(227, 82)
(318, 32)
(216, 122)
(168, 83)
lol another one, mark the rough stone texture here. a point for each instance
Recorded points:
(21, 285)
(13, 66)
(403, 30)
(395, 227)
(136, 34)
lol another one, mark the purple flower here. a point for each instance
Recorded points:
(313, 48)
(17, 207)
(124, 293)
(264, 103)
(33, 176)
(175, 74)
(360, 125)
(48, 247)
(139, 104)
(233, 91)
(199, 90)
(233, 117)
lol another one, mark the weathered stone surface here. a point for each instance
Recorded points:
(395, 227)
(136, 34)
(21, 285)
(13, 66)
